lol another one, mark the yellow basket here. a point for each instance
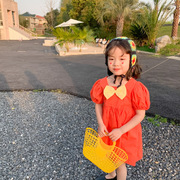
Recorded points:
(106, 157)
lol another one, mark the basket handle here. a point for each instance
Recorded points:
(104, 145)
(114, 142)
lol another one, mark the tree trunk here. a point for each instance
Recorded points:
(176, 20)
(119, 26)
(52, 18)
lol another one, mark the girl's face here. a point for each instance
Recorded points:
(118, 61)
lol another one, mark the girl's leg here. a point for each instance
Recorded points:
(110, 175)
(122, 172)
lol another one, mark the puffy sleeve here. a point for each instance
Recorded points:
(140, 97)
(96, 92)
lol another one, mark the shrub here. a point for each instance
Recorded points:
(138, 34)
(107, 32)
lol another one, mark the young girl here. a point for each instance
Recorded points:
(120, 102)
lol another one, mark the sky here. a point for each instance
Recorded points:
(38, 7)
(41, 7)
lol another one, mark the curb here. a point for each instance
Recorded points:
(145, 52)
(169, 57)
(61, 53)
(174, 58)
(57, 48)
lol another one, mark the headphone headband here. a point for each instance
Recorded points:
(132, 46)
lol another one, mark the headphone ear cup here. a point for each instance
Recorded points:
(133, 59)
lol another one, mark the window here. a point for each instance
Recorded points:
(1, 21)
(13, 18)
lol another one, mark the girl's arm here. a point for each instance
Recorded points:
(102, 131)
(115, 134)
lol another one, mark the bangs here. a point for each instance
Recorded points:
(121, 44)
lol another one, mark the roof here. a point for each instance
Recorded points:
(40, 17)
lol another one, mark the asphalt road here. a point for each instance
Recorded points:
(27, 65)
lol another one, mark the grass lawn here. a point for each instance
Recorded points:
(171, 49)
(166, 30)
(145, 48)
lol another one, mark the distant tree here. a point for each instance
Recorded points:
(116, 10)
(23, 21)
(176, 19)
(52, 22)
(66, 7)
(51, 14)
(84, 10)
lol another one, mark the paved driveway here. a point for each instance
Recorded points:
(27, 65)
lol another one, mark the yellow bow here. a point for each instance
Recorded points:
(110, 91)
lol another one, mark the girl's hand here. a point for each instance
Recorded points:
(115, 134)
(102, 131)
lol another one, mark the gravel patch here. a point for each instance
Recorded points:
(41, 138)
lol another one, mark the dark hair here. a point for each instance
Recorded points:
(135, 70)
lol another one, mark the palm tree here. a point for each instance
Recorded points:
(153, 17)
(176, 19)
(117, 10)
(82, 36)
(73, 35)
(64, 37)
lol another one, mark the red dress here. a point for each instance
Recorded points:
(117, 112)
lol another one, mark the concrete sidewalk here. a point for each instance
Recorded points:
(27, 65)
